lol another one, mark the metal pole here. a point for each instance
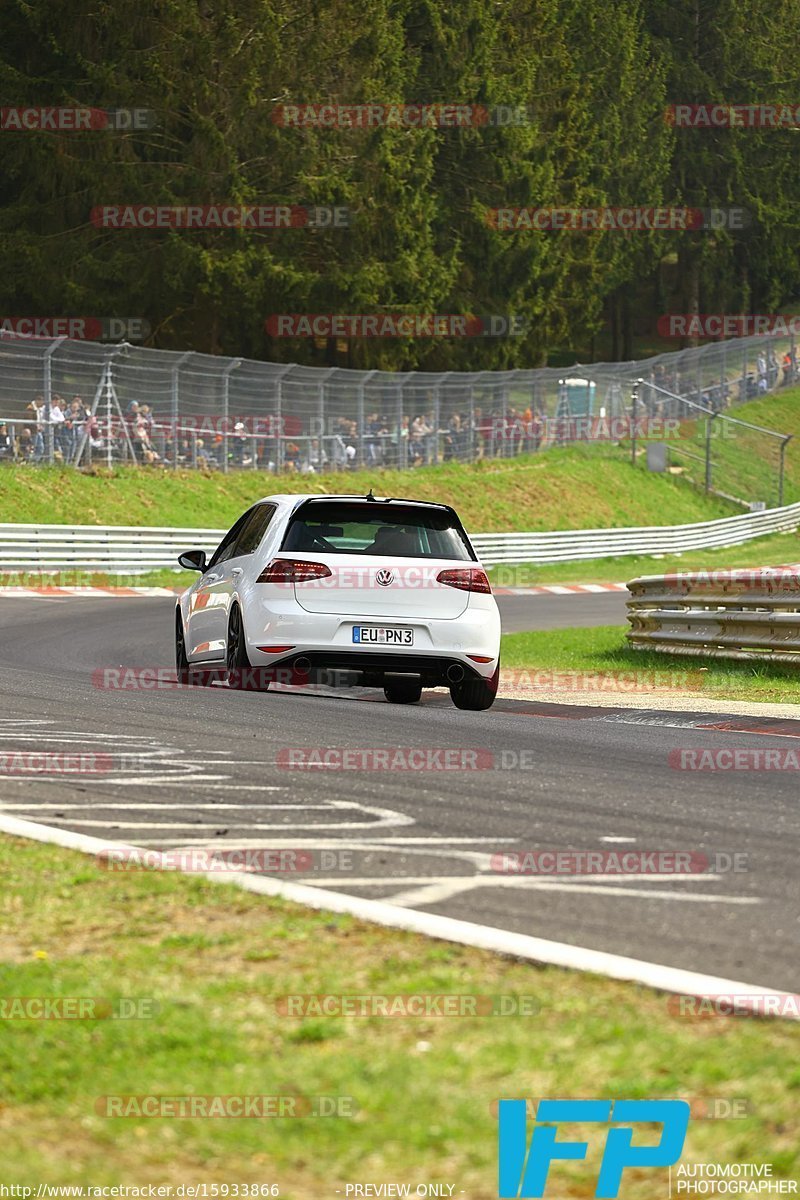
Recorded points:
(634, 401)
(360, 422)
(321, 415)
(48, 398)
(782, 467)
(471, 449)
(437, 413)
(108, 416)
(175, 405)
(279, 419)
(362, 387)
(226, 409)
(709, 419)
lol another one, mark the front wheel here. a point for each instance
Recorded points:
(183, 669)
(476, 694)
(403, 691)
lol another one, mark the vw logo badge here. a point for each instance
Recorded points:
(384, 577)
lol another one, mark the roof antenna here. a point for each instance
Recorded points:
(370, 495)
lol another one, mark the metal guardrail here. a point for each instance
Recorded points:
(722, 614)
(126, 548)
(584, 544)
(134, 548)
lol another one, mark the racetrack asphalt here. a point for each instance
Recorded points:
(189, 768)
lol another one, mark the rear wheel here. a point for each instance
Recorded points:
(403, 691)
(475, 694)
(241, 674)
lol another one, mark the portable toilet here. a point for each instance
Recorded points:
(576, 397)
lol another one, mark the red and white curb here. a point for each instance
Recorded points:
(62, 593)
(56, 593)
(560, 589)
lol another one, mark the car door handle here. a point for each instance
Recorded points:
(211, 578)
(237, 571)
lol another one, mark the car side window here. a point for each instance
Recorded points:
(253, 530)
(225, 549)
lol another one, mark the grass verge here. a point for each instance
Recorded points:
(602, 652)
(215, 959)
(578, 487)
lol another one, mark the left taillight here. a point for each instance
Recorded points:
(465, 579)
(292, 570)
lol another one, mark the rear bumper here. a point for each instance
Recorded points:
(326, 641)
(369, 668)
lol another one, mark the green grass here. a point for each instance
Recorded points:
(745, 461)
(579, 487)
(215, 960)
(602, 652)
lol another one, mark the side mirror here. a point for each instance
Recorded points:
(193, 560)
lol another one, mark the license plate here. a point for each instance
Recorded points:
(378, 635)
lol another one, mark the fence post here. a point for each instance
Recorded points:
(437, 413)
(362, 387)
(323, 383)
(48, 399)
(402, 443)
(175, 385)
(109, 426)
(782, 467)
(634, 404)
(226, 408)
(709, 419)
(279, 448)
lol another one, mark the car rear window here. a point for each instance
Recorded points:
(385, 530)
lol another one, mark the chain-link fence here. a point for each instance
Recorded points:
(76, 402)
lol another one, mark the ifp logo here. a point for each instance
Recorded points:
(523, 1171)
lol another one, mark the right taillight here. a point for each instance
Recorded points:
(292, 570)
(466, 580)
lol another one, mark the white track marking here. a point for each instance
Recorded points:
(254, 808)
(517, 945)
(511, 881)
(615, 838)
(443, 889)
(346, 825)
(322, 843)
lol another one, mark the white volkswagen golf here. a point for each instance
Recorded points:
(386, 593)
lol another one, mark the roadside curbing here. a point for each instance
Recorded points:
(449, 929)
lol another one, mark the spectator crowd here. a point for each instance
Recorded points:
(76, 434)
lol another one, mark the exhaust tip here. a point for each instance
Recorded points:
(455, 673)
(303, 665)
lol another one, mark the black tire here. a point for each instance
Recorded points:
(181, 660)
(403, 691)
(476, 695)
(186, 676)
(241, 675)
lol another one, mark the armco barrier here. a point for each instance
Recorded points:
(720, 614)
(575, 544)
(132, 548)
